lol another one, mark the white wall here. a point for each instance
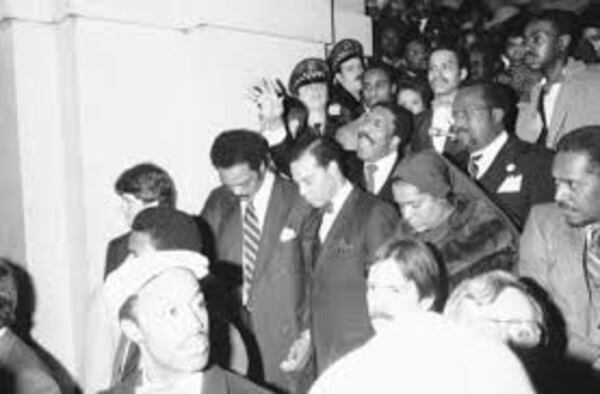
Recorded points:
(90, 87)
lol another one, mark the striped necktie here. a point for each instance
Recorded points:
(592, 255)
(250, 248)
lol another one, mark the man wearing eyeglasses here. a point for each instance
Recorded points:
(516, 175)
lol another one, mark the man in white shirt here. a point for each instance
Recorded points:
(416, 350)
(447, 71)
(516, 175)
(354, 225)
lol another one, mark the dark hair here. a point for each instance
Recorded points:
(403, 120)
(149, 183)
(8, 294)
(494, 95)
(564, 22)
(583, 140)
(239, 146)
(323, 149)
(382, 69)
(418, 86)
(461, 57)
(417, 263)
(169, 229)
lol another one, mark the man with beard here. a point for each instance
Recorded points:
(567, 96)
(560, 246)
(346, 61)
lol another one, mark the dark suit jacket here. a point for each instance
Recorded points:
(385, 193)
(216, 381)
(116, 253)
(421, 140)
(343, 106)
(533, 165)
(339, 315)
(21, 371)
(278, 290)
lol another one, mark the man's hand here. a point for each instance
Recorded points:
(299, 353)
(268, 97)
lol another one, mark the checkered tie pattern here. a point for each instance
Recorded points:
(250, 248)
(592, 255)
(370, 170)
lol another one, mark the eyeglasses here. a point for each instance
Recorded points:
(467, 113)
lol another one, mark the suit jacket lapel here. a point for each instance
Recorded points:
(339, 227)
(274, 220)
(559, 112)
(496, 173)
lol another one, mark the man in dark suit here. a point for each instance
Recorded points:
(255, 217)
(381, 136)
(21, 371)
(353, 225)
(142, 186)
(515, 174)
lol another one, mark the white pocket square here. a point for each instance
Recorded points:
(287, 234)
(512, 184)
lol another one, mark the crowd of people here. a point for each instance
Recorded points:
(423, 220)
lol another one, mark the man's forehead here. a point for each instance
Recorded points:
(376, 75)
(469, 95)
(444, 56)
(570, 164)
(171, 283)
(538, 27)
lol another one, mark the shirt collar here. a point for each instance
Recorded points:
(191, 383)
(340, 197)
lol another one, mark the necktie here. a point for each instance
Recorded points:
(592, 255)
(473, 167)
(542, 111)
(370, 170)
(250, 247)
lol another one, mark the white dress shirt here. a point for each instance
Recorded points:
(385, 166)
(189, 384)
(488, 154)
(260, 198)
(441, 122)
(336, 205)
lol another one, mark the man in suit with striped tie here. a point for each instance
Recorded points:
(255, 217)
(560, 246)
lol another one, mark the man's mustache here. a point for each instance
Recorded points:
(366, 136)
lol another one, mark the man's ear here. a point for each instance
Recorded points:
(395, 142)
(338, 77)
(498, 115)
(131, 330)
(464, 73)
(564, 41)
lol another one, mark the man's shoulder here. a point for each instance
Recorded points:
(547, 215)
(229, 382)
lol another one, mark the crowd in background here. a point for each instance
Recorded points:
(423, 220)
